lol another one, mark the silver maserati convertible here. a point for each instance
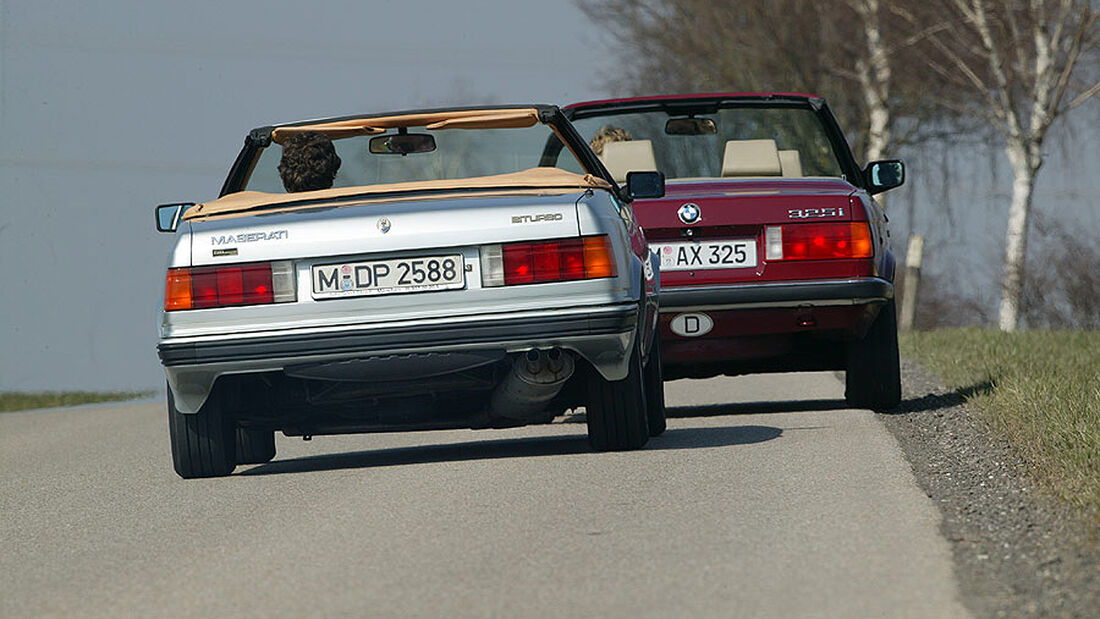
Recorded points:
(449, 268)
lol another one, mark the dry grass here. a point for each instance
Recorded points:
(23, 400)
(1041, 389)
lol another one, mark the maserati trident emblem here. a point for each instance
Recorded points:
(384, 225)
(689, 213)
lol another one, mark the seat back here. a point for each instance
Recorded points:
(629, 156)
(791, 163)
(751, 158)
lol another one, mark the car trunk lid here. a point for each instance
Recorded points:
(712, 232)
(383, 228)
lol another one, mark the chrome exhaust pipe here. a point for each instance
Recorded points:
(534, 379)
(534, 361)
(554, 360)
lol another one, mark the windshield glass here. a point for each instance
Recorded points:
(459, 153)
(732, 142)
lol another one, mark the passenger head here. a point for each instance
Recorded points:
(608, 133)
(309, 162)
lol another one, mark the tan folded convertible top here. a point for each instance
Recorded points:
(535, 180)
(458, 119)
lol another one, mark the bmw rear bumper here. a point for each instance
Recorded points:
(817, 293)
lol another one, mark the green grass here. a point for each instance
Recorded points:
(1040, 389)
(24, 400)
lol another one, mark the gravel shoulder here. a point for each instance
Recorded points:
(1017, 552)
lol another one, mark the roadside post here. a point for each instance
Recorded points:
(913, 257)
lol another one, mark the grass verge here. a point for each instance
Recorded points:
(1040, 389)
(24, 400)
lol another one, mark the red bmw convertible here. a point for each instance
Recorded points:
(774, 255)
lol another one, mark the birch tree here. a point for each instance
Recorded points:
(874, 73)
(1020, 59)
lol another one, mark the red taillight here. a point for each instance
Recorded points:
(223, 286)
(248, 284)
(557, 260)
(820, 241)
(256, 284)
(204, 288)
(519, 265)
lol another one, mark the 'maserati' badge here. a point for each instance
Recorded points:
(249, 237)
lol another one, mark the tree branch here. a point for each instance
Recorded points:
(1003, 90)
(978, 83)
(1085, 96)
(1088, 19)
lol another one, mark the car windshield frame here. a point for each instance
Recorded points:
(439, 122)
(708, 106)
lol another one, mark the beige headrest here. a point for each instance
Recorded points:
(791, 163)
(629, 156)
(751, 158)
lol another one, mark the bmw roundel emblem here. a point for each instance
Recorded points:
(384, 225)
(690, 213)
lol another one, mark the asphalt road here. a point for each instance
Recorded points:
(746, 506)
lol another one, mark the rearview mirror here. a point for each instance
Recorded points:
(690, 126)
(645, 185)
(168, 215)
(883, 175)
(402, 144)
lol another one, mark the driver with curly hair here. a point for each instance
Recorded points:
(309, 162)
(608, 133)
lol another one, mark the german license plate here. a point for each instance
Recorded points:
(694, 255)
(401, 275)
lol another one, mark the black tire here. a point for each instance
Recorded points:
(203, 444)
(655, 390)
(873, 377)
(255, 446)
(616, 410)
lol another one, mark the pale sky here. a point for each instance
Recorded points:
(109, 108)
